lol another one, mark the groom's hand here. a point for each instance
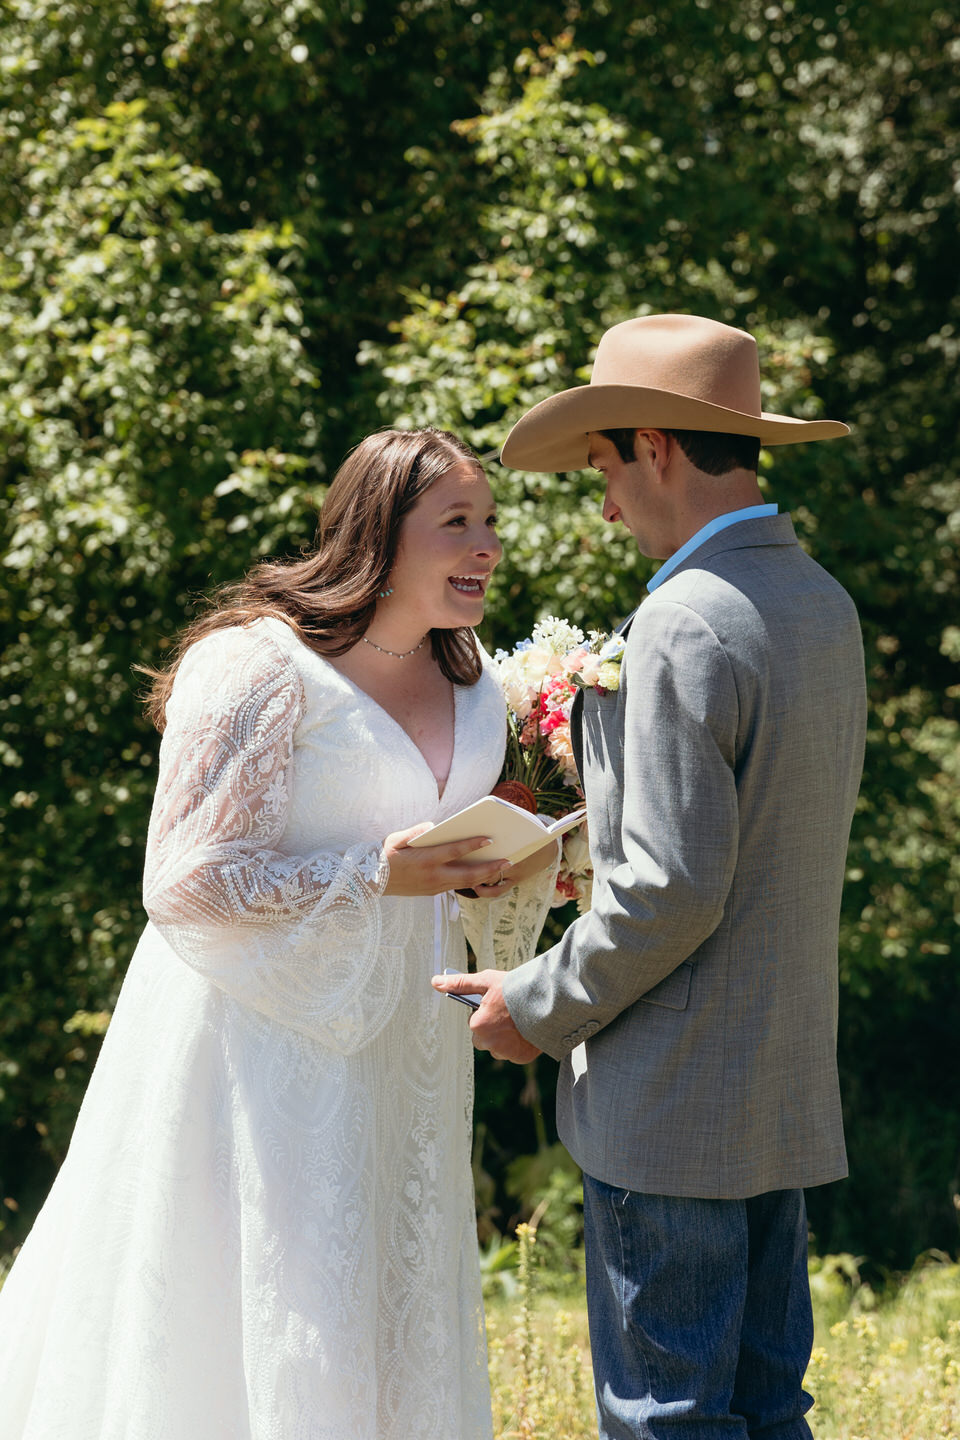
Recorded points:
(491, 1027)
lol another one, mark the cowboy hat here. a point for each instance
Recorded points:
(668, 372)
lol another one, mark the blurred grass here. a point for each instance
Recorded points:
(884, 1367)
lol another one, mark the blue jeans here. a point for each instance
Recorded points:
(700, 1319)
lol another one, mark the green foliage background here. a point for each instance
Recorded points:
(237, 235)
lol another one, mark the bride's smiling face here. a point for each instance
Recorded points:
(447, 551)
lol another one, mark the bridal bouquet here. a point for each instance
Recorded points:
(540, 678)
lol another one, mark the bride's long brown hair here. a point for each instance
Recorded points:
(329, 596)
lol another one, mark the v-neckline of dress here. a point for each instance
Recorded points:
(365, 695)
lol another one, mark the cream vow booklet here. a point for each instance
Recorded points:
(514, 833)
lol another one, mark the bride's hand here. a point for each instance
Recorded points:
(513, 874)
(533, 864)
(435, 868)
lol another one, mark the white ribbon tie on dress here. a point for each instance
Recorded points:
(446, 911)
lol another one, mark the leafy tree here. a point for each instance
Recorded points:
(211, 211)
(150, 368)
(589, 219)
(203, 209)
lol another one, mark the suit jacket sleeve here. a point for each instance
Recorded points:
(664, 891)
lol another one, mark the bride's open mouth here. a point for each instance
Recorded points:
(469, 584)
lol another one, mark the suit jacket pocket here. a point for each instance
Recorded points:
(674, 990)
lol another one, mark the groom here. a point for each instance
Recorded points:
(694, 1007)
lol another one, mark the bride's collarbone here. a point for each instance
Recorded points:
(419, 698)
(422, 706)
(426, 713)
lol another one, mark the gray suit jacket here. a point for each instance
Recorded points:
(694, 1007)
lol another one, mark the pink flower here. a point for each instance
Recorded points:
(520, 698)
(555, 690)
(574, 661)
(590, 669)
(566, 890)
(560, 749)
(530, 731)
(540, 679)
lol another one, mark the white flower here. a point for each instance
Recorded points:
(326, 1195)
(557, 635)
(523, 673)
(608, 676)
(576, 851)
(369, 867)
(275, 796)
(518, 694)
(431, 1222)
(345, 1028)
(429, 1157)
(324, 867)
(435, 1335)
(536, 663)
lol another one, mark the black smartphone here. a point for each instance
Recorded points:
(473, 1001)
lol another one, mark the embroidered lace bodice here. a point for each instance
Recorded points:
(264, 1227)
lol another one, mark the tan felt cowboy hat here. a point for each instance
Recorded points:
(670, 372)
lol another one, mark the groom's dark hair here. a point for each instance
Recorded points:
(711, 451)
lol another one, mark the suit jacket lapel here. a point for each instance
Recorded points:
(576, 709)
(576, 732)
(623, 629)
(768, 530)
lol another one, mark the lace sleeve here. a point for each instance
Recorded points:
(296, 937)
(504, 933)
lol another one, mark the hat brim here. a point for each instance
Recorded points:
(553, 435)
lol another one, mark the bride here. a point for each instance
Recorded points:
(264, 1226)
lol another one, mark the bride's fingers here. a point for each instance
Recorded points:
(493, 889)
(484, 877)
(444, 854)
(428, 870)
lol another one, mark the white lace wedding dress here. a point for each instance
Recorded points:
(264, 1227)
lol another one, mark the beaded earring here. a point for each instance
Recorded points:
(382, 594)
